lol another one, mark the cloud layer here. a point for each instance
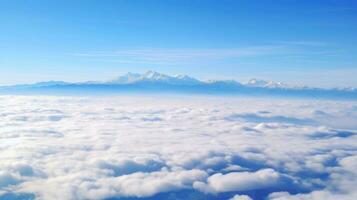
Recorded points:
(200, 148)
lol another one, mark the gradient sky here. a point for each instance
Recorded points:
(296, 41)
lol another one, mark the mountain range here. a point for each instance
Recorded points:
(154, 82)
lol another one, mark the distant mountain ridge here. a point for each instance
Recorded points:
(152, 81)
(266, 84)
(152, 76)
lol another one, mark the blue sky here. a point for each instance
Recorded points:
(296, 41)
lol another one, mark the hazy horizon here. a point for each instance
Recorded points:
(114, 77)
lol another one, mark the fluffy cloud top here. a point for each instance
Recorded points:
(208, 147)
(239, 181)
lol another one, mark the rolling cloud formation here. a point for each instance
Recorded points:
(196, 148)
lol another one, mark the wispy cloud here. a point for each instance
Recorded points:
(190, 55)
(181, 55)
(304, 43)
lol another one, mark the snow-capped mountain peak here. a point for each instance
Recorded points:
(265, 84)
(127, 78)
(256, 83)
(154, 77)
(187, 79)
(272, 84)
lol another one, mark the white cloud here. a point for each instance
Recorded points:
(94, 186)
(239, 181)
(102, 147)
